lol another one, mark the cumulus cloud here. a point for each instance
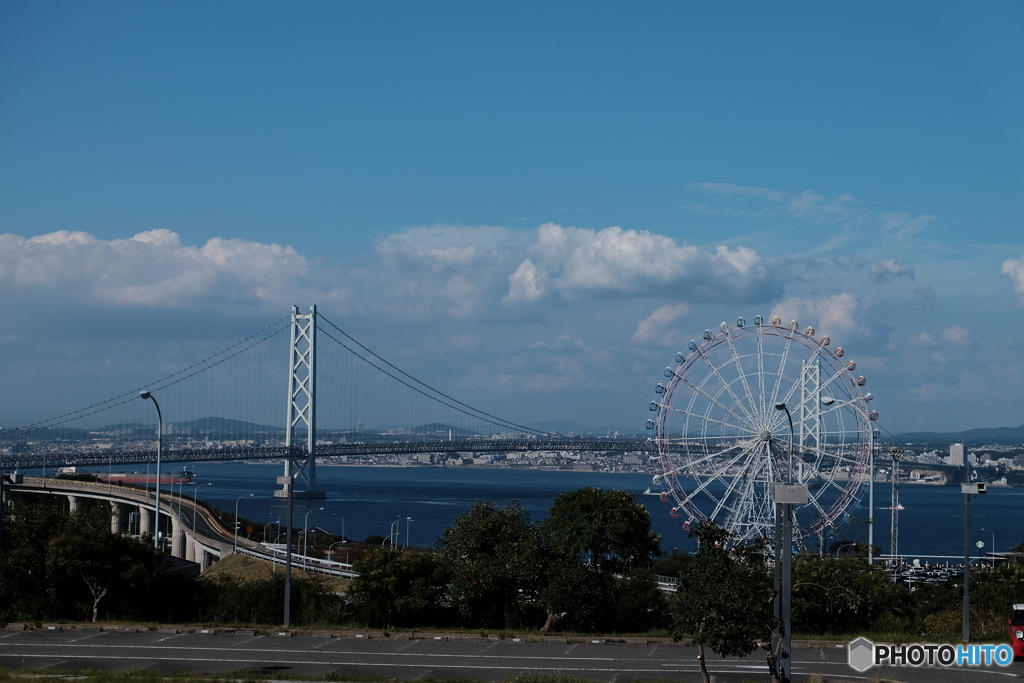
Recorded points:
(656, 328)
(889, 268)
(841, 317)
(151, 269)
(575, 262)
(1014, 269)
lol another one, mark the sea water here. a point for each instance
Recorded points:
(365, 501)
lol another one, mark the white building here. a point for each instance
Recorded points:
(956, 455)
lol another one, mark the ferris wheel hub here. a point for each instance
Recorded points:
(765, 436)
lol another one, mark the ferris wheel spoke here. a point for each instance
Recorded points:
(702, 487)
(783, 360)
(743, 429)
(693, 464)
(700, 391)
(748, 480)
(760, 371)
(725, 384)
(742, 375)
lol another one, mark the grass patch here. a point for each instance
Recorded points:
(249, 568)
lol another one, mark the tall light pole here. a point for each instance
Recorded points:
(786, 494)
(407, 520)
(968, 489)
(195, 503)
(159, 450)
(305, 535)
(235, 548)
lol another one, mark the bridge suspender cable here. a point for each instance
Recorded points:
(479, 414)
(128, 396)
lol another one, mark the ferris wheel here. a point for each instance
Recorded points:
(753, 406)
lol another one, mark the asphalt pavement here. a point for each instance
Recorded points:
(405, 657)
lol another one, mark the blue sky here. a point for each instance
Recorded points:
(564, 192)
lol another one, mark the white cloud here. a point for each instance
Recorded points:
(656, 328)
(889, 268)
(958, 336)
(151, 269)
(904, 225)
(524, 284)
(841, 317)
(576, 262)
(1014, 269)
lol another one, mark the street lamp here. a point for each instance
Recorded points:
(235, 548)
(159, 449)
(394, 533)
(195, 503)
(786, 494)
(305, 536)
(330, 547)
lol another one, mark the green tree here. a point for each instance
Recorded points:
(845, 595)
(26, 591)
(104, 562)
(608, 529)
(724, 599)
(399, 588)
(598, 545)
(494, 560)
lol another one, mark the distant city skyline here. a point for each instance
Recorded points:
(532, 207)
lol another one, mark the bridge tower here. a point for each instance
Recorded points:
(810, 412)
(300, 467)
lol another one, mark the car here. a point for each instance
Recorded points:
(1015, 630)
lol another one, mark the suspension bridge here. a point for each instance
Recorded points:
(343, 400)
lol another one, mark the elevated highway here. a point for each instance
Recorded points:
(192, 530)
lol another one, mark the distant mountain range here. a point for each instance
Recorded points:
(996, 436)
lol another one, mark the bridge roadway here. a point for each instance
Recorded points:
(415, 656)
(196, 533)
(66, 455)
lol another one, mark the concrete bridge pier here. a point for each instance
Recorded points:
(116, 518)
(177, 538)
(72, 503)
(206, 560)
(145, 520)
(200, 555)
(190, 547)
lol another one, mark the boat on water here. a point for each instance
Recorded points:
(649, 492)
(179, 477)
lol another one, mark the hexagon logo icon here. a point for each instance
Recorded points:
(861, 654)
